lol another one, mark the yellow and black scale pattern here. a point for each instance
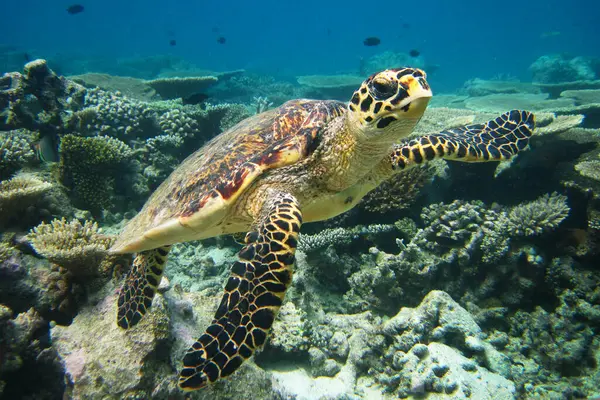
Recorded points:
(496, 140)
(253, 295)
(135, 297)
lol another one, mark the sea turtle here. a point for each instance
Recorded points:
(307, 160)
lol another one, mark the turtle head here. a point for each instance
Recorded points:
(389, 104)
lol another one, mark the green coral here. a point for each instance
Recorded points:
(539, 216)
(90, 166)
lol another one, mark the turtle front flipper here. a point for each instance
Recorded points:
(137, 292)
(496, 140)
(252, 298)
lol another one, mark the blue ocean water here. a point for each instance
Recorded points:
(465, 38)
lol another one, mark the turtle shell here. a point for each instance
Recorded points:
(196, 197)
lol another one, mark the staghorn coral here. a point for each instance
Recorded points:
(539, 216)
(15, 151)
(260, 104)
(90, 167)
(79, 248)
(339, 236)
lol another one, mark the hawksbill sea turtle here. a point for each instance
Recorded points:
(307, 160)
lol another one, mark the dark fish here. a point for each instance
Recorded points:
(372, 41)
(75, 9)
(26, 57)
(406, 25)
(215, 29)
(172, 42)
(196, 98)
(328, 32)
(414, 53)
(221, 40)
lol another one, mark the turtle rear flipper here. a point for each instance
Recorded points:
(253, 295)
(140, 286)
(496, 140)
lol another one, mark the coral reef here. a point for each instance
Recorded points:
(496, 299)
(561, 68)
(339, 87)
(16, 151)
(38, 99)
(539, 216)
(173, 88)
(91, 166)
(25, 198)
(402, 190)
(79, 248)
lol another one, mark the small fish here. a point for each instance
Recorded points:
(27, 57)
(75, 9)
(194, 99)
(406, 25)
(221, 40)
(414, 53)
(46, 148)
(372, 41)
(328, 31)
(172, 42)
(215, 29)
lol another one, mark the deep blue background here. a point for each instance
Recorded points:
(466, 38)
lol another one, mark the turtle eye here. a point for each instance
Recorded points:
(384, 89)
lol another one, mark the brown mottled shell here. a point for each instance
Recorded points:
(198, 193)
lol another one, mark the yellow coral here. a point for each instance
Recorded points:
(79, 248)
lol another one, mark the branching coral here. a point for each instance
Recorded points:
(539, 216)
(339, 236)
(79, 248)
